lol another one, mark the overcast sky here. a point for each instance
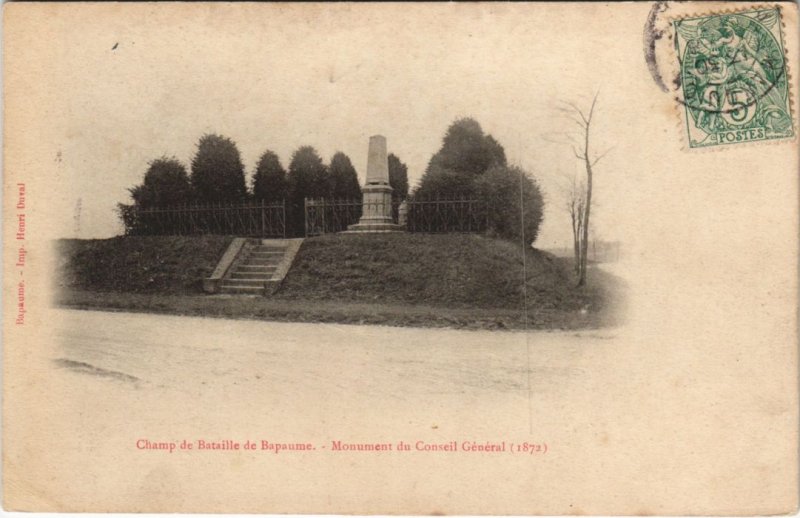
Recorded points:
(122, 87)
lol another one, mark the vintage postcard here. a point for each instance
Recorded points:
(434, 258)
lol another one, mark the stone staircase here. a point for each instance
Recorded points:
(255, 271)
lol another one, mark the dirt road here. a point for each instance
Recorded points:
(362, 365)
(114, 383)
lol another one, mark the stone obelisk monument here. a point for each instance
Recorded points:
(376, 211)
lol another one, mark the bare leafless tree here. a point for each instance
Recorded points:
(573, 190)
(576, 204)
(582, 152)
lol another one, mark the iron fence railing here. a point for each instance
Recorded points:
(324, 216)
(447, 215)
(318, 216)
(253, 219)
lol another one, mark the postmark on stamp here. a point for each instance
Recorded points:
(733, 78)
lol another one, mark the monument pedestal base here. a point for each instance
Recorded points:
(376, 212)
(374, 227)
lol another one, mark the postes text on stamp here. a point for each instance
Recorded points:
(733, 77)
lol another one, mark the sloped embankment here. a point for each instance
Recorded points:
(139, 264)
(453, 270)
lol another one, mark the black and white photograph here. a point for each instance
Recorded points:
(433, 258)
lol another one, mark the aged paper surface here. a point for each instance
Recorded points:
(688, 406)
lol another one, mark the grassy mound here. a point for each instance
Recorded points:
(139, 264)
(453, 270)
(453, 280)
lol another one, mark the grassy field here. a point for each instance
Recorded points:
(454, 280)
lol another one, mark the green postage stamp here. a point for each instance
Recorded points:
(734, 77)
